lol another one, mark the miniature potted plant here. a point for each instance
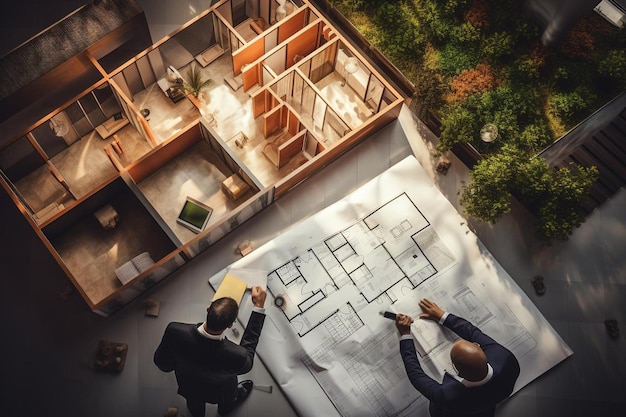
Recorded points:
(194, 83)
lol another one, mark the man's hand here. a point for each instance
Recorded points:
(258, 296)
(403, 324)
(430, 310)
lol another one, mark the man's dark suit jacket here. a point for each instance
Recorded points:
(206, 370)
(452, 398)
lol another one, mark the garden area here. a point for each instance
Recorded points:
(477, 64)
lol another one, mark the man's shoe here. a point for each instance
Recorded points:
(243, 391)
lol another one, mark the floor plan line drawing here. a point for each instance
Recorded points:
(376, 250)
(374, 255)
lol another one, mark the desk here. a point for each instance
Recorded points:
(107, 216)
(234, 187)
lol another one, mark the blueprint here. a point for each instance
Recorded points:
(384, 247)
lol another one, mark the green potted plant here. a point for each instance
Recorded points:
(194, 83)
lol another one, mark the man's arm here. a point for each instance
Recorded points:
(430, 388)
(251, 335)
(460, 326)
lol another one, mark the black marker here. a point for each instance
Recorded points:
(388, 315)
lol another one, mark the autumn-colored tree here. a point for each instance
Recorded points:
(478, 14)
(580, 41)
(471, 81)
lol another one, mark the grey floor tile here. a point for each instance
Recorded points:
(615, 303)
(518, 406)
(553, 304)
(596, 376)
(585, 302)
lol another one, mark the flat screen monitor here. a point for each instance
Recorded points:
(194, 215)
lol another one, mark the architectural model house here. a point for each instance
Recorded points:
(102, 177)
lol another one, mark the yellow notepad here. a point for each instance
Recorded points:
(232, 287)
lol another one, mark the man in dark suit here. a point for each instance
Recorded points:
(486, 370)
(206, 364)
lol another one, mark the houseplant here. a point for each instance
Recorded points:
(194, 83)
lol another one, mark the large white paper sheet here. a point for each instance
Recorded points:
(390, 243)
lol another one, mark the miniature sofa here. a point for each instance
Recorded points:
(134, 267)
(111, 126)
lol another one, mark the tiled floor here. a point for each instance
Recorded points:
(49, 340)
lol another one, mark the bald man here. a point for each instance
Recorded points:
(486, 370)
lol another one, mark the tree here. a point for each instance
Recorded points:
(552, 196)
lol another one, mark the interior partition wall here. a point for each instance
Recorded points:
(61, 130)
(19, 159)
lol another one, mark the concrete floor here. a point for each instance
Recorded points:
(50, 336)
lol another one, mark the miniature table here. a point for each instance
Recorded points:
(107, 216)
(234, 187)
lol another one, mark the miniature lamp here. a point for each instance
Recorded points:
(351, 66)
(489, 133)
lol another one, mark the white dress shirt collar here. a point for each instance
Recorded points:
(204, 333)
(481, 382)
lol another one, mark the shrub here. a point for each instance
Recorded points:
(614, 66)
(566, 106)
(579, 43)
(475, 80)
(465, 32)
(455, 58)
(497, 45)
(526, 67)
(553, 196)
(347, 6)
(487, 196)
(430, 89)
(403, 36)
(459, 126)
(478, 14)
(436, 18)
(533, 137)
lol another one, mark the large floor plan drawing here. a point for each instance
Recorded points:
(385, 246)
(376, 259)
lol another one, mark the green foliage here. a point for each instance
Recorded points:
(347, 6)
(430, 88)
(497, 45)
(436, 18)
(404, 36)
(465, 33)
(614, 66)
(533, 137)
(560, 75)
(526, 67)
(567, 106)
(511, 110)
(460, 126)
(487, 196)
(194, 83)
(454, 58)
(506, 15)
(553, 196)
